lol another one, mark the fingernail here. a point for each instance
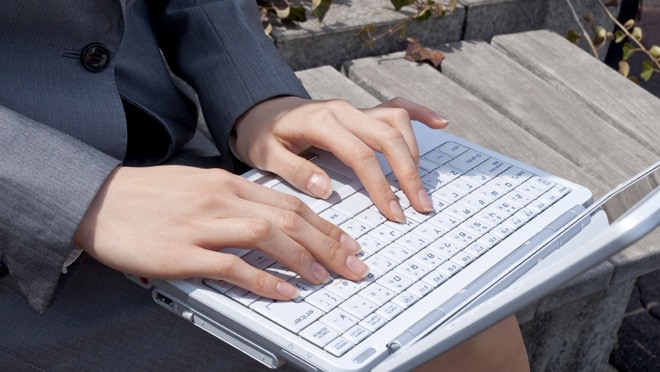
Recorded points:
(396, 210)
(320, 274)
(357, 266)
(442, 120)
(319, 185)
(350, 244)
(287, 290)
(425, 201)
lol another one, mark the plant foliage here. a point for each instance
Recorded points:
(627, 33)
(283, 10)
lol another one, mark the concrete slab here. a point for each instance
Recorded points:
(486, 18)
(311, 44)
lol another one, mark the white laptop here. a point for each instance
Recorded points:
(494, 219)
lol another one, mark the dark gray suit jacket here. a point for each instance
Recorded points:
(72, 71)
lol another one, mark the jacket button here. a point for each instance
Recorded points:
(95, 57)
(3, 271)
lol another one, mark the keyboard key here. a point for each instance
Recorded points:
(420, 289)
(476, 249)
(389, 311)
(386, 232)
(319, 334)
(371, 217)
(304, 287)
(463, 258)
(339, 346)
(397, 252)
(378, 294)
(379, 264)
(450, 268)
(395, 281)
(339, 320)
(324, 299)
(359, 306)
(242, 295)
(373, 322)
(436, 277)
(258, 259)
(294, 316)
(334, 216)
(354, 204)
(429, 258)
(355, 228)
(356, 334)
(452, 149)
(437, 157)
(343, 287)
(468, 160)
(370, 245)
(413, 270)
(405, 299)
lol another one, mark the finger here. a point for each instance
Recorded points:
(228, 267)
(300, 173)
(407, 174)
(289, 231)
(260, 233)
(399, 119)
(418, 112)
(395, 139)
(309, 235)
(278, 202)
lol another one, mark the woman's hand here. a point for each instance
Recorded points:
(271, 134)
(172, 222)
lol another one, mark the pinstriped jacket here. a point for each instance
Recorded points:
(68, 71)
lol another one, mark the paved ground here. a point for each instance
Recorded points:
(637, 347)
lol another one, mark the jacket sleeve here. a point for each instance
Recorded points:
(220, 48)
(47, 181)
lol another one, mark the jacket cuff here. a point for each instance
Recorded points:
(48, 181)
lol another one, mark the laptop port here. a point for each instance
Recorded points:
(164, 300)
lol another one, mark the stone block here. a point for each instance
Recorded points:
(487, 18)
(561, 18)
(337, 39)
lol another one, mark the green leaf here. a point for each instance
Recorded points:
(320, 8)
(619, 36)
(600, 35)
(398, 4)
(629, 24)
(281, 8)
(624, 68)
(589, 17)
(423, 14)
(628, 51)
(655, 51)
(573, 36)
(647, 71)
(297, 14)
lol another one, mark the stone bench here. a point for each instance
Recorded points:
(535, 97)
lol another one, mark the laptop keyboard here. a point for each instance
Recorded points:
(478, 202)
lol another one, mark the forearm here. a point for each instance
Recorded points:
(47, 180)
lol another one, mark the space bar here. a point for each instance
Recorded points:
(293, 316)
